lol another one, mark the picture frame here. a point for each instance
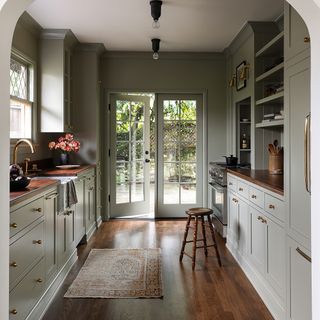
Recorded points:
(240, 83)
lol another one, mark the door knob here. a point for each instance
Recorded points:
(147, 160)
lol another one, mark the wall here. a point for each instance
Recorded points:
(26, 40)
(174, 72)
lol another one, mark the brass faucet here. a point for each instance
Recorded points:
(15, 150)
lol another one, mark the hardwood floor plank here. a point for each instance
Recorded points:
(208, 293)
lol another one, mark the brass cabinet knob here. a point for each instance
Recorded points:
(13, 225)
(230, 184)
(37, 241)
(234, 200)
(14, 311)
(254, 196)
(240, 189)
(38, 209)
(13, 264)
(271, 206)
(39, 280)
(306, 39)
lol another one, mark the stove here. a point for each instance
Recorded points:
(218, 194)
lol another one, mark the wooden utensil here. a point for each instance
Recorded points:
(271, 148)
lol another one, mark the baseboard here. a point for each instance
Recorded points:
(270, 299)
(43, 304)
(99, 221)
(91, 231)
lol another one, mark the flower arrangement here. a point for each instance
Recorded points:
(65, 144)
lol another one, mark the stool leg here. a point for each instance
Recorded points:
(195, 235)
(204, 236)
(185, 238)
(214, 239)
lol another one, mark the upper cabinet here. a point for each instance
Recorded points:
(56, 48)
(297, 38)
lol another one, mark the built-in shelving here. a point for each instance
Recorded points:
(275, 98)
(273, 123)
(273, 47)
(276, 73)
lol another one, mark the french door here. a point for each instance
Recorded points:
(180, 154)
(130, 155)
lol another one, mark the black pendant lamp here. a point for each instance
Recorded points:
(155, 48)
(156, 12)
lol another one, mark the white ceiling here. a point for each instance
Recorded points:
(126, 25)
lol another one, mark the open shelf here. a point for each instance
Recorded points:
(272, 123)
(272, 74)
(273, 47)
(276, 98)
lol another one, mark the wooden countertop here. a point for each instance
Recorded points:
(35, 187)
(64, 173)
(261, 178)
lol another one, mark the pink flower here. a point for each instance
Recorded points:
(66, 143)
(52, 144)
(69, 136)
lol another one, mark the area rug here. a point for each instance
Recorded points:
(119, 273)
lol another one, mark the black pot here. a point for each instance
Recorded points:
(20, 184)
(231, 161)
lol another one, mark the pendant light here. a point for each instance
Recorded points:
(156, 12)
(155, 48)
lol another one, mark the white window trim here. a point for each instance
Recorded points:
(32, 92)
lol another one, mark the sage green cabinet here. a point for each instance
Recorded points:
(65, 235)
(50, 222)
(80, 222)
(90, 204)
(56, 80)
(297, 39)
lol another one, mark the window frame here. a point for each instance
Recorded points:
(31, 92)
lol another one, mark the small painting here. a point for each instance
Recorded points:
(241, 80)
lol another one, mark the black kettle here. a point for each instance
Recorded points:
(231, 161)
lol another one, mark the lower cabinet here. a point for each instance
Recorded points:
(90, 204)
(257, 240)
(80, 222)
(299, 280)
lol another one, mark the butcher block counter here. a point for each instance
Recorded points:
(261, 178)
(69, 172)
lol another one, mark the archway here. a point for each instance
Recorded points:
(10, 11)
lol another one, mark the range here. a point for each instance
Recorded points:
(218, 197)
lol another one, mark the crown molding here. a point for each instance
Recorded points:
(27, 22)
(98, 48)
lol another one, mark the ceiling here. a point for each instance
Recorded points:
(126, 25)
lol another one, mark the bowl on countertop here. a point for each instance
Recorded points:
(19, 184)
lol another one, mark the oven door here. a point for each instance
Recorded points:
(218, 201)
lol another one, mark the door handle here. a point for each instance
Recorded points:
(307, 173)
(147, 160)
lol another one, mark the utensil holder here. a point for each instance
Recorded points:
(276, 163)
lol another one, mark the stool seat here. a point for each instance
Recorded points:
(199, 211)
(197, 214)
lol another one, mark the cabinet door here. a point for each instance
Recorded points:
(276, 257)
(297, 104)
(257, 250)
(80, 226)
(50, 211)
(233, 204)
(243, 234)
(295, 33)
(299, 291)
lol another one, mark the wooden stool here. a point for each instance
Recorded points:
(199, 213)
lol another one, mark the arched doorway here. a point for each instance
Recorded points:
(10, 11)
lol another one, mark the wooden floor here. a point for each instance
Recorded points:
(209, 292)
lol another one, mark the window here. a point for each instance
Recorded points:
(21, 97)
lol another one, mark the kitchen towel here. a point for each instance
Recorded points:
(71, 194)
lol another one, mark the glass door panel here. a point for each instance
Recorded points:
(180, 154)
(129, 155)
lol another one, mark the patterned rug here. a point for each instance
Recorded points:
(119, 273)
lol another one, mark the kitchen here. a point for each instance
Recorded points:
(217, 114)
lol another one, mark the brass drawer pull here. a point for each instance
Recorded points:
(13, 225)
(14, 311)
(91, 189)
(234, 200)
(13, 264)
(39, 280)
(37, 241)
(240, 189)
(67, 213)
(303, 254)
(262, 219)
(38, 209)
(254, 196)
(230, 184)
(271, 206)
(306, 39)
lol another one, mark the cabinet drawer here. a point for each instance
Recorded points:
(243, 189)
(274, 206)
(22, 217)
(25, 251)
(232, 183)
(26, 294)
(256, 197)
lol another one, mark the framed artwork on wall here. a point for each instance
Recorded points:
(241, 80)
